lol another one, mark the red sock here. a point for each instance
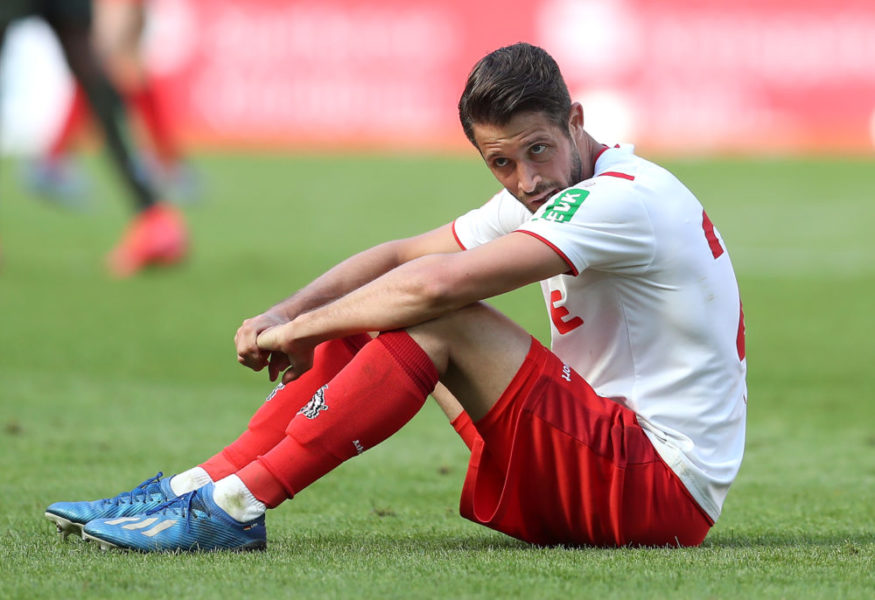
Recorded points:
(268, 425)
(381, 389)
(77, 111)
(146, 101)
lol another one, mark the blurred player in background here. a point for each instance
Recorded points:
(628, 432)
(118, 32)
(157, 234)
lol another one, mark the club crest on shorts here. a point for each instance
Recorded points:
(316, 404)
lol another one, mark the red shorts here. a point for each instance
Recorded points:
(557, 464)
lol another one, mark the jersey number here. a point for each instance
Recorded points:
(713, 242)
(717, 251)
(558, 314)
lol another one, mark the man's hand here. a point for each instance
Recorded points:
(248, 352)
(287, 351)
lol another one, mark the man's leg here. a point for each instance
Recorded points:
(381, 388)
(118, 29)
(54, 175)
(553, 462)
(106, 106)
(265, 430)
(74, 117)
(157, 235)
(476, 351)
(267, 427)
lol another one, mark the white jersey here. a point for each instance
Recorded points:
(649, 313)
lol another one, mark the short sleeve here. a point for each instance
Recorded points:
(501, 215)
(601, 224)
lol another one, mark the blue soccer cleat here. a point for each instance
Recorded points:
(71, 517)
(192, 521)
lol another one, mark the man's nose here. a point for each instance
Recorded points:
(528, 178)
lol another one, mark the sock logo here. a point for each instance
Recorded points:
(316, 404)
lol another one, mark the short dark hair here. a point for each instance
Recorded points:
(510, 80)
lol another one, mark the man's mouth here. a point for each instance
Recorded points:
(539, 200)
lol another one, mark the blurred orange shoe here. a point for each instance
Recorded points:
(156, 236)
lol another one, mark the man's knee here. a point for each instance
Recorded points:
(469, 334)
(439, 336)
(476, 350)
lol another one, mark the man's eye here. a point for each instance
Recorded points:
(539, 148)
(500, 162)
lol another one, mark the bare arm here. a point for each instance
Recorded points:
(335, 283)
(414, 292)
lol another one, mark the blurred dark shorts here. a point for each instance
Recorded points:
(58, 13)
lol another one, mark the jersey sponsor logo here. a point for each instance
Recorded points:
(563, 206)
(316, 404)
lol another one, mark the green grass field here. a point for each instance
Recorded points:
(104, 382)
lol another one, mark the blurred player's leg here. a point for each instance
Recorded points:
(106, 105)
(157, 235)
(118, 29)
(54, 175)
(77, 112)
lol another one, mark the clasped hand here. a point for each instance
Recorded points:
(269, 340)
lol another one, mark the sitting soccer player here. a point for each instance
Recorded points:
(630, 430)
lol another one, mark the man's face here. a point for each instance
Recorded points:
(530, 156)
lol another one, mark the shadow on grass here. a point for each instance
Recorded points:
(431, 544)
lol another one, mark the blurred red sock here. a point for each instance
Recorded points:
(149, 107)
(381, 389)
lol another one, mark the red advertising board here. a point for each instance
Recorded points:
(672, 75)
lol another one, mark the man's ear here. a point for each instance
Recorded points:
(575, 119)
